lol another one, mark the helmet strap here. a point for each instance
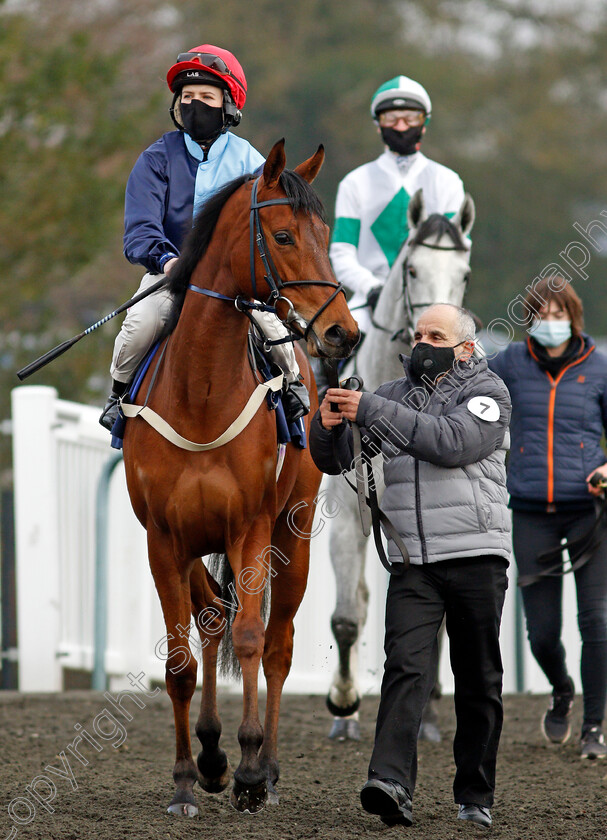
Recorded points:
(172, 110)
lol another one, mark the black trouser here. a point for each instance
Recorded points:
(470, 592)
(532, 534)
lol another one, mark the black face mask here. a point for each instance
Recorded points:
(402, 142)
(429, 362)
(202, 122)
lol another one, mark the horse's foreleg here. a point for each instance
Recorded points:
(173, 586)
(347, 546)
(428, 730)
(288, 584)
(209, 617)
(248, 633)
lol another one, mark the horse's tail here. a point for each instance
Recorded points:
(220, 569)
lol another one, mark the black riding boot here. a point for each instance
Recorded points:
(109, 415)
(295, 401)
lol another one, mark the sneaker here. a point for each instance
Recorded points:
(593, 743)
(556, 724)
(477, 814)
(109, 415)
(389, 800)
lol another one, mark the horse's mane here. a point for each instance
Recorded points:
(301, 197)
(438, 225)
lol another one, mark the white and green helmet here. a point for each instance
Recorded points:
(400, 92)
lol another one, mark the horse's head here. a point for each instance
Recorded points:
(433, 266)
(288, 258)
(437, 264)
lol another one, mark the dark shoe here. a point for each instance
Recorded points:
(109, 414)
(477, 814)
(556, 724)
(593, 744)
(389, 799)
(296, 401)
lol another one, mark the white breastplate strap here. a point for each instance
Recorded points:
(241, 422)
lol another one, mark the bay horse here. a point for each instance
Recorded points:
(433, 266)
(257, 238)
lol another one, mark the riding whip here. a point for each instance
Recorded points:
(61, 348)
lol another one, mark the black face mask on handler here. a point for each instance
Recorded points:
(430, 362)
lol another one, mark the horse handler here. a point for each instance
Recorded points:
(443, 432)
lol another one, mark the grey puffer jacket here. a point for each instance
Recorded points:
(444, 461)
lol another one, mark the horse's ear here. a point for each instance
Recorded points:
(465, 216)
(416, 211)
(274, 164)
(310, 168)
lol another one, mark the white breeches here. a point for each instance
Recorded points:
(281, 354)
(146, 320)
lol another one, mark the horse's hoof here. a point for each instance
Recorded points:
(248, 800)
(183, 809)
(429, 732)
(216, 785)
(343, 730)
(342, 711)
(273, 798)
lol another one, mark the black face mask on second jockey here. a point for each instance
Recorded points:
(201, 121)
(430, 361)
(402, 142)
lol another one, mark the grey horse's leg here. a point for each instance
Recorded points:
(428, 730)
(347, 546)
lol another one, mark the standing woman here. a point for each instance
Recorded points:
(558, 384)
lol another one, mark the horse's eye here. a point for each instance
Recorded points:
(283, 238)
(412, 271)
(467, 277)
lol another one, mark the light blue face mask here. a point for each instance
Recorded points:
(550, 333)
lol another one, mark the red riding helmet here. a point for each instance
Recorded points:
(207, 59)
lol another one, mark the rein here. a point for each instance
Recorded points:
(371, 515)
(580, 550)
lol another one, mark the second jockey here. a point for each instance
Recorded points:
(371, 206)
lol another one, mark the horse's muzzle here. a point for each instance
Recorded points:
(335, 343)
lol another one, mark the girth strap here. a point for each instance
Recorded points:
(235, 428)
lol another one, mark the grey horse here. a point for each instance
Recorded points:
(433, 266)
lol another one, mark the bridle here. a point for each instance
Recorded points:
(294, 321)
(406, 333)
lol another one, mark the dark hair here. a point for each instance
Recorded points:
(559, 289)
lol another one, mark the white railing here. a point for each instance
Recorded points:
(59, 454)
